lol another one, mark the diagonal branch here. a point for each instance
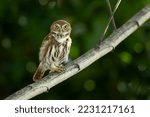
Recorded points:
(86, 59)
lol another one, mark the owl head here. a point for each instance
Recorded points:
(60, 30)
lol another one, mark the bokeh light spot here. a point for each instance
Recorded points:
(31, 67)
(43, 2)
(121, 87)
(126, 57)
(138, 48)
(22, 21)
(79, 29)
(142, 67)
(52, 4)
(6, 43)
(89, 85)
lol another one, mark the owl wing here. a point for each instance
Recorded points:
(69, 44)
(44, 47)
(68, 50)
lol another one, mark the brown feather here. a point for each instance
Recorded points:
(38, 74)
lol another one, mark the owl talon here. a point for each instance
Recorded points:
(78, 66)
(58, 69)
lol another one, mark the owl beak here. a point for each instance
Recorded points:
(61, 35)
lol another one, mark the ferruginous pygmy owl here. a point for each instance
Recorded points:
(54, 49)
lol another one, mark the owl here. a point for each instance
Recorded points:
(55, 49)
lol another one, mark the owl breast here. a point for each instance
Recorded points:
(56, 55)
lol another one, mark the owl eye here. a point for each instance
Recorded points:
(56, 27)
(65, 27)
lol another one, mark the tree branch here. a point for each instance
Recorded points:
(86, 59)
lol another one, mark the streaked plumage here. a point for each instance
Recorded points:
(55, 49)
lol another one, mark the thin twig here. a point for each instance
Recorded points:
(111, 15)
(85, 60)
(110, 19)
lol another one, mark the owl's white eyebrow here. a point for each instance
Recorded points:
(57, 25)
(64, 25)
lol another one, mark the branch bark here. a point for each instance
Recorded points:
(85, 60)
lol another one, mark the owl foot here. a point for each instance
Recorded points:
(78, 66)
(57, 69)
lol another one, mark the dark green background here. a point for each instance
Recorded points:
(122, 74)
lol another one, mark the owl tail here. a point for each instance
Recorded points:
(39, 73)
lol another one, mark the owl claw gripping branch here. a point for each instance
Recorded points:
(55, 49)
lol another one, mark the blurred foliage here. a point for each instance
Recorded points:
(122, 74)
